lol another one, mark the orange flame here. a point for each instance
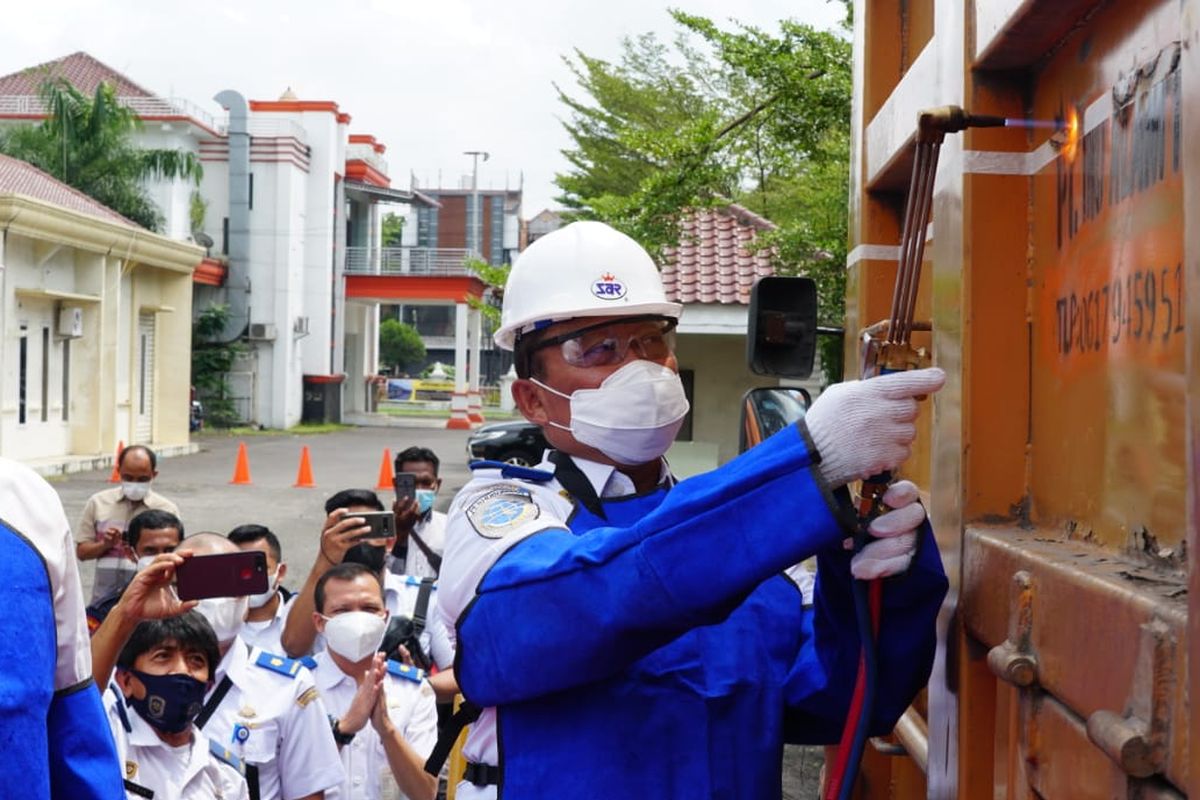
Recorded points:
(1070, 146)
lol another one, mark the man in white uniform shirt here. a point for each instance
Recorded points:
(384, 711)
(162, 674)
(264, 707)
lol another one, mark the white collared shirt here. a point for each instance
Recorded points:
(413, 710)
(266, 635)
(275, 720)
(189, 772)
(431, 529)
(471, 553)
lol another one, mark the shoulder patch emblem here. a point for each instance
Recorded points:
(281, 664)
(224, 755)
(309, 695)
(499, 511)
(405, 671)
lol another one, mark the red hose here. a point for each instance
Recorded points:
(840, 771)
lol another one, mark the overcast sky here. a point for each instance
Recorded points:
(430, 78)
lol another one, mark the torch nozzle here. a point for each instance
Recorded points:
(934, 123)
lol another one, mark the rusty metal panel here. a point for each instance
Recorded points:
(1107, 254)
(1102, 636)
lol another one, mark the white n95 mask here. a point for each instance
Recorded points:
(135, 491)
(225, 614)
(633, 416)
(355, 635)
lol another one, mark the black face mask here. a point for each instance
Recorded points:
(370, 556)
(171, 701)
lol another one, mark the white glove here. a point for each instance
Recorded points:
(895, 532)
(862, 428)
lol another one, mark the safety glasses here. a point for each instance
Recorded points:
(601, 345)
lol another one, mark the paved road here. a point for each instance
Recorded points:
(199, 484)
(347, 459)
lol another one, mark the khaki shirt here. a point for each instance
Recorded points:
(111, 509)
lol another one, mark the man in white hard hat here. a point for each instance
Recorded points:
(630, 636)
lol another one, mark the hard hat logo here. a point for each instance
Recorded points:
(608, 287)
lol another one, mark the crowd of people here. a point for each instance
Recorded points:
(611, 632)
(331, 691)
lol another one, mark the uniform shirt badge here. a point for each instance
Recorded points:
(501, 510)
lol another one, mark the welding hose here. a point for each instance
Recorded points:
(868, 607)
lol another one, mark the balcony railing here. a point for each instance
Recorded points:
(408, 260)
(30, 105)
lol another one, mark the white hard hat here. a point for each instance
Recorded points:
(585, 269)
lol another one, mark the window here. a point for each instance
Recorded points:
(22, 378)
(144, 373)
(45, 374)
(66, 379)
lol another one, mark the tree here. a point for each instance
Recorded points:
(212, 358)
(393, 229)
(400, 345)
(86, 143)
(737, 115)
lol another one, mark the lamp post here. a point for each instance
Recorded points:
(477, 211)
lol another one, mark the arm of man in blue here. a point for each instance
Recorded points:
(559, 610)
(821, 681)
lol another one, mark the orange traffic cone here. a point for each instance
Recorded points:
(241, 471)
(386, 475)
(304, 477)
(115, 475)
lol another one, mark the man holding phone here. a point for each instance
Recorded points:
(347, 537)
(264, 707)
(420, 530)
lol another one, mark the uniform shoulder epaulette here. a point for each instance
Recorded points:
(308, 661)
(222, 753)
(413, 580)
(405, 671)
(281, 664)
(513, 472)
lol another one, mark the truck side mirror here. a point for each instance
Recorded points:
(768, 410)
(781, 339)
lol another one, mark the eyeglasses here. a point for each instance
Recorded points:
(605, 344)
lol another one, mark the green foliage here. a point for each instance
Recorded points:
(400, 345)
(86, 144)
(197, 211)
(393, 229)
(495, 276)
(212, 359)
(746, 116)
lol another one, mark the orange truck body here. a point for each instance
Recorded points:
(1061, 458)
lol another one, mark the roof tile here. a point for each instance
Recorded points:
(19, 177)
(713, 262)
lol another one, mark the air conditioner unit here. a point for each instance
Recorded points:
(300, 326)
(261, 332)
(70, 322)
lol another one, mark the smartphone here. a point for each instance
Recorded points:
(405, 484)
(383, 524)
(222, 575)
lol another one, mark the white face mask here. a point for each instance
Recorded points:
(633, 416)
(135, 490)
(225, 614)
(262, 598)
(355, 635)
(144, 562)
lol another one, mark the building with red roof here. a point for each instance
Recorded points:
(96, 314)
